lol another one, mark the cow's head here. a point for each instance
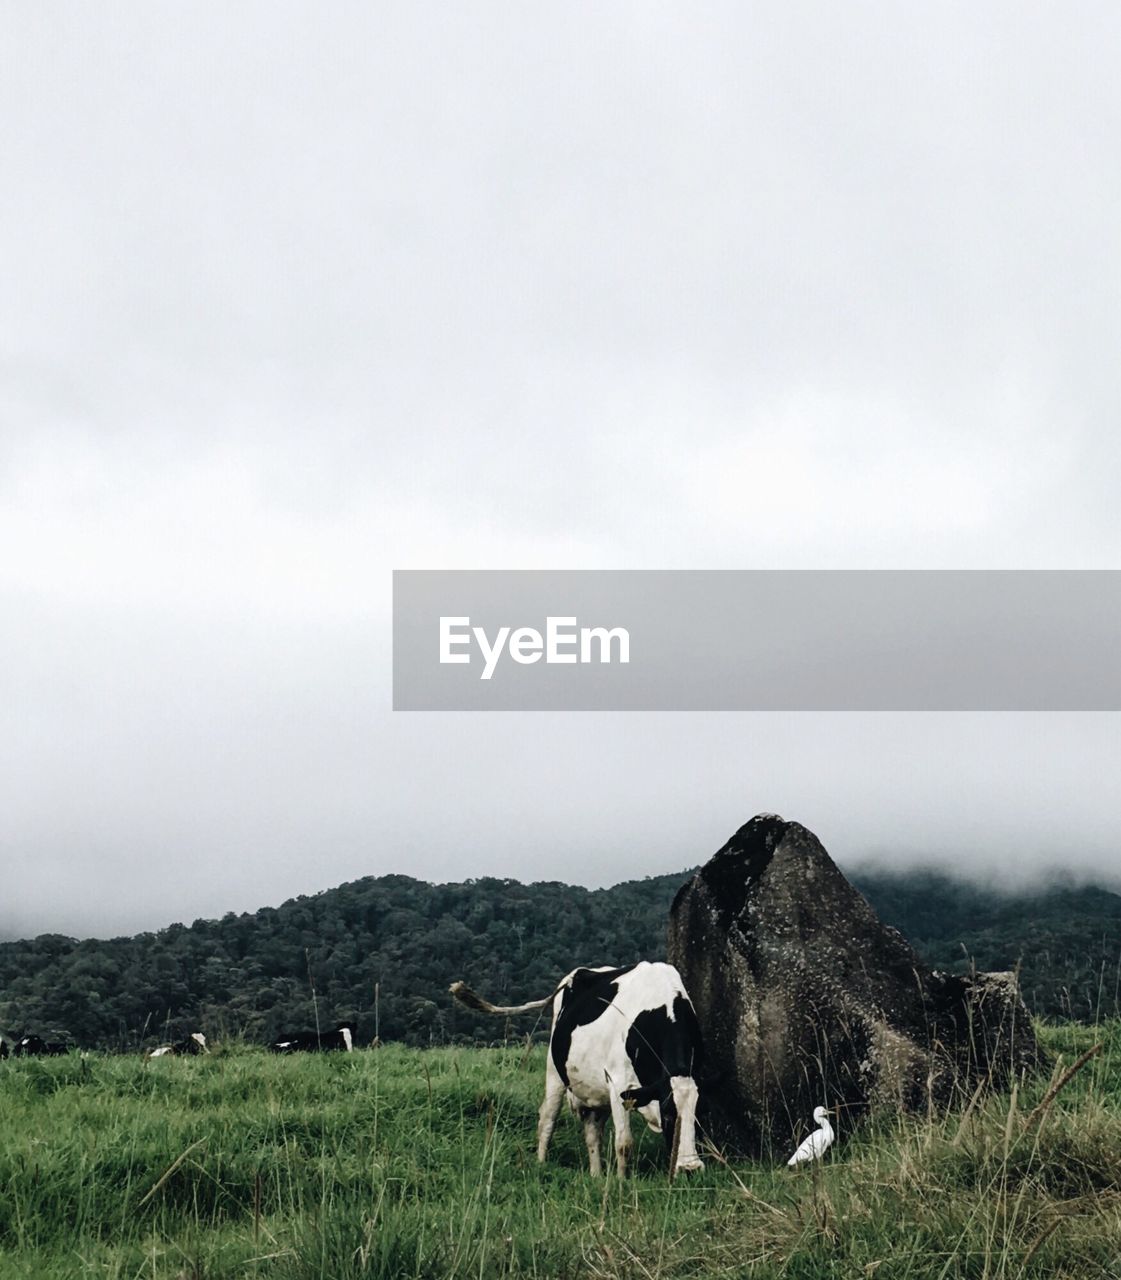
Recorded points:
(661, 1092)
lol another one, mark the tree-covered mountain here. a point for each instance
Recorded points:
(382, 950)
(1066, 938)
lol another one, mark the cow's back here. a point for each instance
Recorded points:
(622, 1028)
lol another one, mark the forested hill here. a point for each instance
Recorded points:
(383, 950)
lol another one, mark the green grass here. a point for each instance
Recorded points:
(419, 1163)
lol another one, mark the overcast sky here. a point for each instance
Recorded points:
(294, 295)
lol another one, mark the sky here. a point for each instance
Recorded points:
(295, 296)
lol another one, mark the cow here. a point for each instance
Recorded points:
(622, 1039)
(194, 1043)
(32, 1046)
(315, 1041)
(3, 1048)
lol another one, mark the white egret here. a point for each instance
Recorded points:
(816, 1145)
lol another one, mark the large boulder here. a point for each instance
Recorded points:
(807, 999)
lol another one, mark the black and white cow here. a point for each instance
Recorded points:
(622, 1039)
(194, 1043)
(313, 1041)
(32, 1046)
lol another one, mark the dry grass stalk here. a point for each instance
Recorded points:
(968, 1112)
(1045, 1234)
(716, 1154)
(1011, 1120)
(1054, 1091)
(170, 1170)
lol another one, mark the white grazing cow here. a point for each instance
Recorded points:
(622, 1039)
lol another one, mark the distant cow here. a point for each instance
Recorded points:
(3, 1048)
(194, 1043)
(33, 1047)
(315, 1041)
(622, 1039)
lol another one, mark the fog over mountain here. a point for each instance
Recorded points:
(296, 297)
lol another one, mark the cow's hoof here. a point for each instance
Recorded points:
(689, 1166)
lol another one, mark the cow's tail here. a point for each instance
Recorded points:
(472, 1000)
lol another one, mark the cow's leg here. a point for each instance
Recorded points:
(550, 1105)
(685, 1094)
(594, 1119)
(621, 1119)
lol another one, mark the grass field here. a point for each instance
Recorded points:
(419, 1163)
